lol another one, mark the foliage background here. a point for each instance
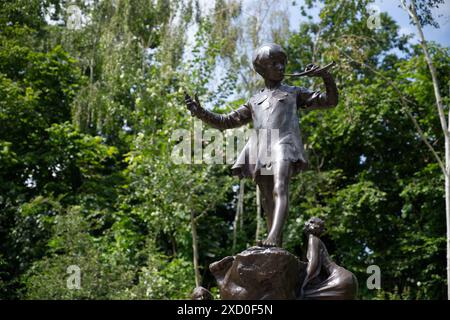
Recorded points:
(86, 120)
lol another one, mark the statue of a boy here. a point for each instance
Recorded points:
(273, 108)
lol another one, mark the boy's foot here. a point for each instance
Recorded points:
(271, 242)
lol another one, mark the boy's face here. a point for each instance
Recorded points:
(274, 67)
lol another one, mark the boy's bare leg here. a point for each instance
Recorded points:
(265, 184)
(281, 177)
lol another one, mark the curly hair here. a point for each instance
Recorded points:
(265, 52)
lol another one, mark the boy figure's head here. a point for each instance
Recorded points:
(269, 61)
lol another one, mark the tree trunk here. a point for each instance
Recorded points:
(241, 210)
(198, 279)
(239, 213)
(447, 208)
(258, 213)
(447, 203)
(440, 106)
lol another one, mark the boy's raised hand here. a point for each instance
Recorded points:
(315, 70)
(192, 105)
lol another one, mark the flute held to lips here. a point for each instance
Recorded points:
(310, 70)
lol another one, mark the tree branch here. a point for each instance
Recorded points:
(413, 14)
(404, 102)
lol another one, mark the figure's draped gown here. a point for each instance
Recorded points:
(330, 281)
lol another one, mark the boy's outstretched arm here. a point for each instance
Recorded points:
(318, 100)
(234, 119)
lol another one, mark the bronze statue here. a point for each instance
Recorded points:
(324, 280)
(260, 273)
(201, 293)
(274, 108)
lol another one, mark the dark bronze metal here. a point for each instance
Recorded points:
(274, 108)
(267, 271)
(324, 280)
(201, 293)
(259, 273)
(310, 70)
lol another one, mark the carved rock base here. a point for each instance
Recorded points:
(259, 274)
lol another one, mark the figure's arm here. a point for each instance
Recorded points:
(307, 99)
(234, 119)
(313, 256)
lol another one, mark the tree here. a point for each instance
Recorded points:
(36, 90)
(419, 21)
(367, 138)
(87, 117)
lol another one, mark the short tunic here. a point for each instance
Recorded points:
(276, 136)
